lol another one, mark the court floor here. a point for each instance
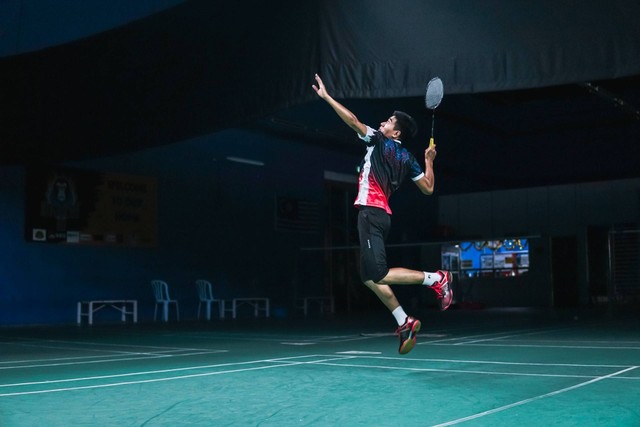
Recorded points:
(472, 368)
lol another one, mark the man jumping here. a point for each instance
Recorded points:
(385, 165)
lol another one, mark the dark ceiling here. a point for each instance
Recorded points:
(178, 75)
(555, 135)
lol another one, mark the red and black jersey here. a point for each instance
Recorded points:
(384, 167)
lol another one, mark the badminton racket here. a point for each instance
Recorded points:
(433, 97)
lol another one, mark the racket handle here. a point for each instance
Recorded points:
(431, 142)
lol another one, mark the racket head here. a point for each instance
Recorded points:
(435, 92)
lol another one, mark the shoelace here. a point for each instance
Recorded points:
(401, 327)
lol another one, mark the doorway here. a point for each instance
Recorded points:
(564, 271)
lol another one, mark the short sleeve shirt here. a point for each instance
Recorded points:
(384, 167)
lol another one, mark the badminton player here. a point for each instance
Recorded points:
(385, 165)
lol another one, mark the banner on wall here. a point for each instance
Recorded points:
(76, 206)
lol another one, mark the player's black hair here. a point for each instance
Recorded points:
(406, 125)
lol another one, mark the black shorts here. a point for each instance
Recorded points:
(373, 228)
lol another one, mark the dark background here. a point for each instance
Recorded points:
(536, 95)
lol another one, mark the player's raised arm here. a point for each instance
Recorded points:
(428, 182)
(345, 114)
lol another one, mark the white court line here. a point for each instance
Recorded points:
(358, 352)
(167, 353)
(275, 337)
(34, 343)
(457, 371)
(299, 343)
(502, 337)
(111, 359)
(310, 341)
(139, 382)
(78, 348)
(604, 342)
(313, 362)
(282, 362)
(297, 340)
(492, 335)
(590, 347)
(159, 352)
(110, 354)
(159, 371)
(495, 362)
(533, 399)
(18, 363)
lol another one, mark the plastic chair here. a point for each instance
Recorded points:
(161, 292)
(205, 295)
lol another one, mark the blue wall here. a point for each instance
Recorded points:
(215, 221)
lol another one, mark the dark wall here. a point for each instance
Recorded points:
(215, 221)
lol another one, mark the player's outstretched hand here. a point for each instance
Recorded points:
(320, 89)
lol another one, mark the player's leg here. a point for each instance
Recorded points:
(440, 282)
(373, 226)
(384, 294)
(408, 326)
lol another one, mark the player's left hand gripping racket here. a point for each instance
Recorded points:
(435, 92)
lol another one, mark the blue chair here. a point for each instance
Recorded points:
(205, 296)
(161, 293)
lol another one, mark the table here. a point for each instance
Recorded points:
(258, 304)
(323, 302)
(124, 306)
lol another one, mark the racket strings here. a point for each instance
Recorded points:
(435, 92)
(432, 98)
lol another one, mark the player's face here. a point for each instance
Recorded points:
(388, 128)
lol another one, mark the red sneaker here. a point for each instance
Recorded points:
(443, 289)
(407, 334)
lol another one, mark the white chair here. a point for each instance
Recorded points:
(205, 295)
(161, 292)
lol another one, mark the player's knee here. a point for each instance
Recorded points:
(374, 277)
